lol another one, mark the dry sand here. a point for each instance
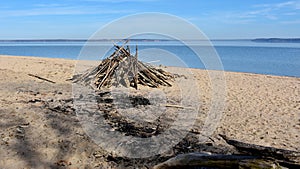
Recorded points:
(260, 109)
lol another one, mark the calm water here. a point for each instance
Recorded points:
(240, 56)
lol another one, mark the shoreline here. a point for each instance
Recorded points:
(39, 127)
(76, 60)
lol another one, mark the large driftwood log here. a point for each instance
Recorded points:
(254, 156)
(279, 154)
(193, 160)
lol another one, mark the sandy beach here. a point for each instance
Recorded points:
(36, 133)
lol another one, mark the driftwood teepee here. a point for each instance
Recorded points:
(122, 68)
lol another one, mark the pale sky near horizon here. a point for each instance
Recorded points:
(79, 19)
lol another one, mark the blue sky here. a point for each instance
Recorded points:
(79, 19)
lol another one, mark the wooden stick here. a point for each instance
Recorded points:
(177, 106)
(108, 73)
(135, 68)
(41, 78)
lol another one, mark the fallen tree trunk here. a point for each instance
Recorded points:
(253, 156)
(193, 160)
(276, 153)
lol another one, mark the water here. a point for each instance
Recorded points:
(240, 56)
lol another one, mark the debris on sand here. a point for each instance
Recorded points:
(122, 68)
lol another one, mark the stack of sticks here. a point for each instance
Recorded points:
(122, 68)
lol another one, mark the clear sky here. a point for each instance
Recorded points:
(218, 19)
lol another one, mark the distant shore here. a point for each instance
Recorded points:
(277, 40)
(268, 40)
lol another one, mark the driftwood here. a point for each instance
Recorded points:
(177, 106)
(198, 160)
(41, 78)
(252, 156)
(283, 155)
(123, 68)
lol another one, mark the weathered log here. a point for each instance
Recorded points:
(254, 156)
(199, 160)
(279, 154)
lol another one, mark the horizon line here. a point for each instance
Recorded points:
(146, 39)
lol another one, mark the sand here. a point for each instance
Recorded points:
(260, 109)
